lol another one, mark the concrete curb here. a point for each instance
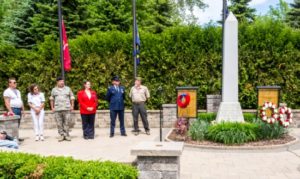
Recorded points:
(236, 147)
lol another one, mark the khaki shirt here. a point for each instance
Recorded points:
(140, 94)
(62, 98)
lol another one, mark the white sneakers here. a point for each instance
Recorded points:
(37, 138)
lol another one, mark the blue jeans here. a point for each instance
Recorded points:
(9, 144)
(18, 111)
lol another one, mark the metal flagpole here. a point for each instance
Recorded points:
(134, 36)
(224, 15)
(61, 39)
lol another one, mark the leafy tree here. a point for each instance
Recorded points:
(242, 11)
(294, 14)
(280, 11)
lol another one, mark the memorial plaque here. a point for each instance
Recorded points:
(184, 109)
(268, 94)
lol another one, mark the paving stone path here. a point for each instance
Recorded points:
(196, 163)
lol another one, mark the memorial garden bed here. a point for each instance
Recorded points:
(173, 136)
(253, 132)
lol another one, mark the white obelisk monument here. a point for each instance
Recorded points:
(230, 108)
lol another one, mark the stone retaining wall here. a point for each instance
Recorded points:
(169, 116)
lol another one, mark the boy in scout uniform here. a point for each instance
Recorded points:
(139, 94)
(62, 103)
(115, 96)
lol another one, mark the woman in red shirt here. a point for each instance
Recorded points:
(88, 102)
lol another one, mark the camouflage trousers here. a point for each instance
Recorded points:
(63, 120)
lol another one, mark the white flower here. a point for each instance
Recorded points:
(263, 113)
(268, 120)
(275, 111)
(291, 115)
(275, 116)
(273, 106)
(289, 110)
(264, 118)
(270, 104)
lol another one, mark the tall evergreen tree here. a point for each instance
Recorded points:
(16, 24)
(242, 11)
(33, 19)
(293, 17)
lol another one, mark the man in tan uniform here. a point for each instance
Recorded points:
(139, 95)
(62, 103)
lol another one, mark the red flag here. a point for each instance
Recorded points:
(67, 57)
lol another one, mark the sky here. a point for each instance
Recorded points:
(213, 11)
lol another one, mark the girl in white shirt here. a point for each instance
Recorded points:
(36, 101)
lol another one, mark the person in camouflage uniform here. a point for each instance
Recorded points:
(62, 103)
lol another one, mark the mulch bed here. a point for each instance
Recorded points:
(184, 138)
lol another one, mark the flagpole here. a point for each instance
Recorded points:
(134, 37)
(61, 39)
(224, 15)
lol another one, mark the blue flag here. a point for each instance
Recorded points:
(137, 44)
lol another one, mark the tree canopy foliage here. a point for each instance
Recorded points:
(242, 11)
(294, 14)
(28, 21)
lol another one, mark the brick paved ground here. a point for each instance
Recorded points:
(196, 163)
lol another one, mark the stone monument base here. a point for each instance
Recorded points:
(230, 112)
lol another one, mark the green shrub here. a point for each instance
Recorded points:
(198, 130)
(20, 165)
(249, 117)
(208, 117)
(232, 132)
(270, 131)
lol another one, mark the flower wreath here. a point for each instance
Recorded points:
(183, 100)
(285, 116)
(6, 114)
(263, 114)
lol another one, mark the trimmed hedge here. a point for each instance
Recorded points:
(20, 165)
(179, 56)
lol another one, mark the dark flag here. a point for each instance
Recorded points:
(138, 45)
(225, 10)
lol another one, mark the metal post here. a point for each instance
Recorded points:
(160, 90)
(61, 39)
(223, 24)
(134, 36)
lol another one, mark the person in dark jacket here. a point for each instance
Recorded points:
(115, 96)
